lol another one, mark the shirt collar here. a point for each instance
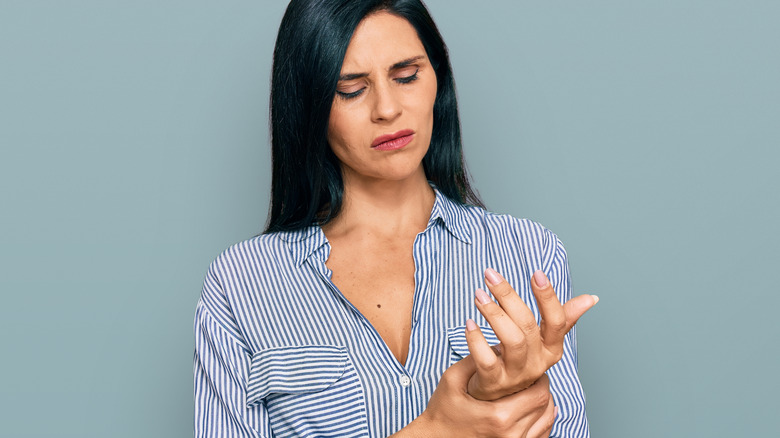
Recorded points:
(452, 215)
(304, 242)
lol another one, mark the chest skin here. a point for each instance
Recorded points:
(376, 275)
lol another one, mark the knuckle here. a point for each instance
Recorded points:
(447, 379)
(556, 322)
(491, 365)
(529, 326)
(502, 420)
(495, 312)
(504, 290)
(548, 295)
(541, 399)
(515, 344)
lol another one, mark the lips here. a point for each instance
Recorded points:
(393, 141)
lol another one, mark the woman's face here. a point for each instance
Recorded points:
(382, 115)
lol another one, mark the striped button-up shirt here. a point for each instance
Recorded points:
(279, 351)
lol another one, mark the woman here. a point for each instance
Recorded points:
(352, 314)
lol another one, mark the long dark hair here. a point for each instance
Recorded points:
(307, 186)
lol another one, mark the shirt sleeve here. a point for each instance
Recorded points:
(221, 367)
(564, 382)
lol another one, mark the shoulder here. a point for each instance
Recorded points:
(480, 220)
(243, 273)
(262, 250)
(538, 244)
(248, 262)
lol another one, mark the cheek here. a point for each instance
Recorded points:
(430, 93)
(337, 128)
(344, 127)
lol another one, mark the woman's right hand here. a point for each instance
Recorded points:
(452, 412)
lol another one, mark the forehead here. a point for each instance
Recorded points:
(381, 40)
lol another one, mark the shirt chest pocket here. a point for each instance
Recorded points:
(457, 340)
(308, 391)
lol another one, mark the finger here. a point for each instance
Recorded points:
(488, 365)
(543, 426)
(513, 339)
(534, 399)
(524, 408)
(553, 324)
(485, 358)
(511, 302)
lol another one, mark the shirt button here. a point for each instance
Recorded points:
(405, 381)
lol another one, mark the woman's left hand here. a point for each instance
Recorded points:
(527, 350)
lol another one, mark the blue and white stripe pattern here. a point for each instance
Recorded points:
(279, 352)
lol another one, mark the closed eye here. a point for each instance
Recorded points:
(346, 95)
(351, 95)
(408, 79)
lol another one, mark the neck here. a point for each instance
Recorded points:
(384, 207)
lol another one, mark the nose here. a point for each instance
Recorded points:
(386, 104)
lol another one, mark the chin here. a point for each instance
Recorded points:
(401, 174)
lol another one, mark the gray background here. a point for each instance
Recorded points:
(135, 148)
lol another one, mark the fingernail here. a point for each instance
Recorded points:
(492, 276)
(595, 299)
(540, 279)
(470, 325)
(482, 296)
(555, 412)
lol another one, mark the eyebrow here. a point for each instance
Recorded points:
(397, 65)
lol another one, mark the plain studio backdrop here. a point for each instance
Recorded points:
(645, 134)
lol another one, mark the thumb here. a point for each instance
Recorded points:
(460, 372)
(576, 307)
